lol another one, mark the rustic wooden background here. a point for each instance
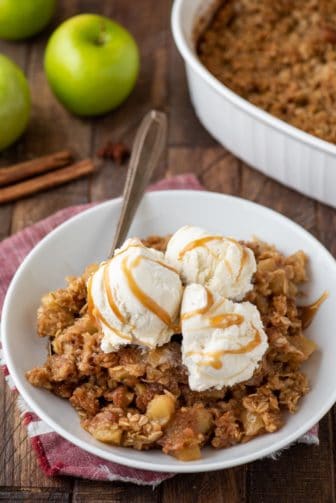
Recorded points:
(302, 474)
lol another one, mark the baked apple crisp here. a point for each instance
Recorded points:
(140, 397)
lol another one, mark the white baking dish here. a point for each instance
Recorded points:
(291, 156)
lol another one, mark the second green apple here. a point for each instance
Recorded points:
(92, 64)
(20, 19)
(14, 102)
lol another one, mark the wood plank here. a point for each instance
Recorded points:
(120, 125)
(5, 220)
(223, 175)
(7, 401)
(259, 188)
(150, 90)
(14, 448)
(195, 160)
(86, 491)
(218, 171)
(18, 53)
(18, 463)
(212, 487)
(302, 473)
(185, 128)
(326, 225)
(51, 128)
(33, 496)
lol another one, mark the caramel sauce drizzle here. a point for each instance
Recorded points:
(146, 300)
(228, 266)
(214, 379)
(127, 248)
(219, 321)
(103, 320)
(216, 256)
(89, 298)
(308, 312)
(206, 239)
(215, 356)
(226, 320)
(218, 304)
(196, 243)
(96, 315)
(163, 264)
(142, 297)
(243, 262)
(201, 310)
(244, 256)
(109, 295)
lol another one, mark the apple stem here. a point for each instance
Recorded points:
(102, 34)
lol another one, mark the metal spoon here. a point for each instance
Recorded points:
(147, 149)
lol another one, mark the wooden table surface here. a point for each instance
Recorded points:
(302, 473)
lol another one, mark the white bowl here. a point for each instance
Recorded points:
(86, 238)
(270, 145)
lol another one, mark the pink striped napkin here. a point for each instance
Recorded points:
(56, 455)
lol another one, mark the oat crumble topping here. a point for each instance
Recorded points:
(140, 398)
(279, 55)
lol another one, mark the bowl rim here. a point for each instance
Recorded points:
(143, 464)
(252, 110)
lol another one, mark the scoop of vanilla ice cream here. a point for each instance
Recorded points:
(223, 341)
(135, 297)
(222, 264)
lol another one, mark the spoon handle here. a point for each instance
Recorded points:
(148, 145)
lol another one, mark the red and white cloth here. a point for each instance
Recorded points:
(56, 455)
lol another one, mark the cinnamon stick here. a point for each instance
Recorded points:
(23, 170)
(47, 181)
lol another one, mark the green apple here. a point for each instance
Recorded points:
(23, 18)
(92, 64)
(14, 102)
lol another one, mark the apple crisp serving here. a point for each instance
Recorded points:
(140, 397)
(279, 55)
